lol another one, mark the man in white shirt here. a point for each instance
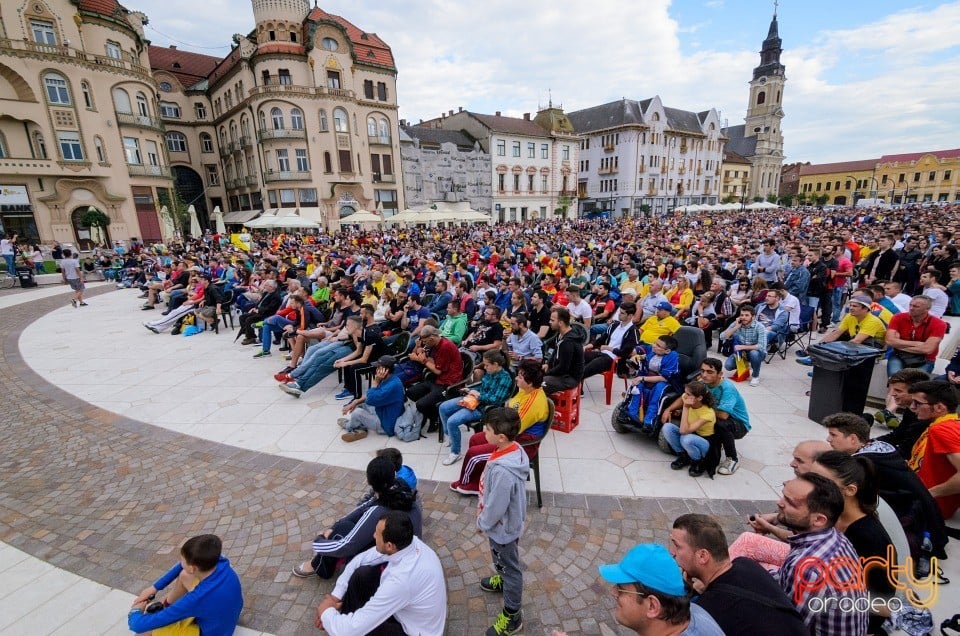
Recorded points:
(792, 304)
(579, 308)
(72, 275)
(397, 585)
(929, 282)
(8, 252)
(894, 291)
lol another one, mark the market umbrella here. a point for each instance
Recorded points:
(167, 231)
(195, 230)
(363, 216)
(295, 221)
(407, 216)
(221, 227)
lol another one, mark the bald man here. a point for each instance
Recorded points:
(805, 453)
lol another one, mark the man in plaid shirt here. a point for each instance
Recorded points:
(822, 572)
(751, 341)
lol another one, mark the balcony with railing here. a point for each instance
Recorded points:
(50, 51)
(245, 141)
(608, 170)
(140, 121)
(142, 170)
(293, 175)
(384, 178)
(295, 89)
(250, 181)
(379, 140)
(568, 193)
(233, 184)
(281, 133)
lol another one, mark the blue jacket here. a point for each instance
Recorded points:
(387, 400)
(214, 604)
(669, 369)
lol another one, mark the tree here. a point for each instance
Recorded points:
(729, 199)
(563, 205)
(178, 210)
(757, 199)
(786, 200)
(97, 221)
(645, 209)
(771, 198)
(822, 199)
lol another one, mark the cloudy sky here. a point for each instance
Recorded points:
(864, 78)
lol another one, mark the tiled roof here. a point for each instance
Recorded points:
(224, 65)
(623, 112)
(439, 136)
(736, 142)
(913, 156)
(369, 48)
(189, 68)
(110, 8)
(510, 125)
(732, 157)
(683, 120)
(842, 166)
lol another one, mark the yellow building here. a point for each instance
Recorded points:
(920, 176)
(735, 177)
(840, 183)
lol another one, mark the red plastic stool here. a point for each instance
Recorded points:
(608, 377)
(566, 417)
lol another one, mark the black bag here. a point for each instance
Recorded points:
(911, 359)
(725, 347)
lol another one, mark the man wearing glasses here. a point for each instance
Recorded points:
(936, 455)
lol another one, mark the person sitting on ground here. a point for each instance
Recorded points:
(690, 439)
(404, 472)
(353, 533)
(530, 402)
(751, 342)
(618, 343)
(659, 371)
(396, 587)
(564, 369)
(204, 597)
(379, 409)
(466, 409)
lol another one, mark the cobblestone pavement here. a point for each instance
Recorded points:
(109, 498)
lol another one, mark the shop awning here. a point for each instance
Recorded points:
(240, 216)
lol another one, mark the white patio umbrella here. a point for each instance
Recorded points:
(407, 216)
(195, 230)
(218, 215)
(362, 216)
(265, 220)
(294, 221)
(167, 231)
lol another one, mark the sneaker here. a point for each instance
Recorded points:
(344, 395)
(696, 469)
(144, 295)
(284, 378)
(728, 466)
(800, 353)
(506, 624)
(680, 462)
(153, 329)
(466, 491)
(258, 324)
(144, 308)
(248, 341)
(754, 381)
(353, 436)
(292, 388)
(806, 361)
(491, 583)
(342, 422)
(261, 354)
(83, 304)
(452, 458)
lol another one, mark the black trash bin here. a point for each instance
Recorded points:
(841, 378)
(25, 274)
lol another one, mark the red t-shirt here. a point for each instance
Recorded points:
(931, 327)
(942, 438)
(446, 356)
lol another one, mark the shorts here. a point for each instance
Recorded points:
(208, 312)
(75, 284)
(186, 627)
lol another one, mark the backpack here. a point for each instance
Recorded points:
(409, 423)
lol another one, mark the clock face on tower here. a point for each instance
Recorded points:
(763, 80)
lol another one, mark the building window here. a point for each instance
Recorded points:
(3, 147)
(296, 119)
(368, 89)
(283, 160)
(57, 92)
(87, 95)
(302, 164)
(501, 182)
(371, 127)
(284, 77)
(387, 199)
(98, 146)
(327, 163)
(288, 198)
(169, 110)
(544, 151)
(333, 79)
(40, 144)
(176, 142)
(382, 91)
(200, 110)
(307, 196)
(531, 151)
(384, 129)
(329, 44)
(276, 117)
(131, 151)
(946, 175)
(206, 143)
(213, 177)
(340, 123)
(142, 105)
(323, 121)
(543, 183)
(916, 177)
(530, 182)
(501, 148)
(113, 50)
(43, 32)
(565, 153)
(346, 165)
(70, 146)
(516, 149)
(933, 176)
(375, 166)
(516, 183)
(153, 155)
(761, 97)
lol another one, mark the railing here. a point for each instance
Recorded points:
(143, 170)
(141, 121)
(568, 193)
(270, 176)
(383, 140)
(281, 133)
(339, 92)
(245, 141)
(608, 170)
(383, 178)
(232, 184)
(56, 50)
(682, 170)
(233, 147)
(224, 151)
(250, 180)
(296, 89)
(608, 148)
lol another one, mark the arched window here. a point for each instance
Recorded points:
(98, 145)
(296, 119)
(263, 120)
(233, 131)
(176, 142)
(384, 128)
(323, 121)
(277, 116)
(371, 127)
(3, 147)
(121, 101)
(142, 108)
(56, 85)
(87, 94)
(206, 143)
(327, 163)
(223, 137)
(761, 97)
(340, 121)
(245, 127)
(40, 144)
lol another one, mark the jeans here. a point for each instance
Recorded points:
(9, 258)
(38, 268)
(837, 305)
(453, 416)
(506, 561)
(364, 417)
(691, 443)
(756, 359)
(319, 349)
(272, 326)
(895, 364)
(309, 376)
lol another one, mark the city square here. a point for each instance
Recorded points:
(145, 176)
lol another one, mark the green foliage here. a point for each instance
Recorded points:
(786, 200)
(177, 209)
(771, 198)
(94, 218)
(645, 208)
(729, 199)
(822, 199)
(757, 199)
(563, 206)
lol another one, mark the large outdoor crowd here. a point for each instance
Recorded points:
(437, 330)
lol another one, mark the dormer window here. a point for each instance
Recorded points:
(329, 44)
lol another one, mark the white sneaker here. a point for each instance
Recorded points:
(728, 466)
(452, 458)
(754, 381)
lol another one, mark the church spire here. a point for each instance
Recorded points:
(770, 51)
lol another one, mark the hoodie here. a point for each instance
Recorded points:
(502, 507)
(568, 356)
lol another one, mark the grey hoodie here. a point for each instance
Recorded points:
(503, 505)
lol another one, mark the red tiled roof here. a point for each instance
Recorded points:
(730, 156)
(369, 48)
(192, 68)
(842, 166)
(110, 8)
(913, 156)
(224, 65)
(510, 125)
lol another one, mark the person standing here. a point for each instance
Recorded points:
(8, 250)
(72, 275)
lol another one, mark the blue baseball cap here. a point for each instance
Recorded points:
(665, 306)
(650, 565)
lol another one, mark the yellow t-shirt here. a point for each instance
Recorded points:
(653, 328)
(871, 325)
(703, 413)
(532, 407)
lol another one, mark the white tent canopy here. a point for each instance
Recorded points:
(762, 205)
(361, 216)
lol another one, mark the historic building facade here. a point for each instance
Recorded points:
(639, 156)
(301, 114)
(735, 178)
(444, 165)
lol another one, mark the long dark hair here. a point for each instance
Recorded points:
(855, 470)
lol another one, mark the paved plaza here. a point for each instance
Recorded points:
(119, 442)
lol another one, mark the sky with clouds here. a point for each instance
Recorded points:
(864, 78)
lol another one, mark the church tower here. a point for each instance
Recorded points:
(279, 20)
(764, 115)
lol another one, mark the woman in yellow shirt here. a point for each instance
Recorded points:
(690, 440)
(681, 295)
(531, 403)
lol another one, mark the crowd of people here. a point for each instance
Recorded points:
(477, 327)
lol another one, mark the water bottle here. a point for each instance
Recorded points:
(926, 551)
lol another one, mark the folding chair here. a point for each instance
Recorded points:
(802, 336)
